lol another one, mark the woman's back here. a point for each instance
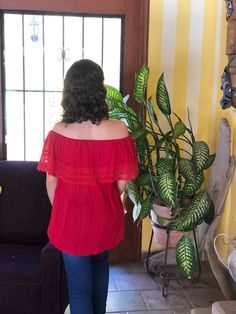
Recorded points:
(106, 130)
(88, 161)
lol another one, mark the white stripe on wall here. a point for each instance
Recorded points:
(168, 43)
(217, 74)
(194, 61)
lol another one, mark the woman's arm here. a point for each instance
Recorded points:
(51, 184)
(121, 187)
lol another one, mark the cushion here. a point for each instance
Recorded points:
(24, 205)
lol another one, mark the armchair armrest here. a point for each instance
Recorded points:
(51, 277)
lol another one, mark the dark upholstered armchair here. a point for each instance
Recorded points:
(32, 279)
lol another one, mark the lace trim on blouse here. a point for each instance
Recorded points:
(88, 176)
(56, 161)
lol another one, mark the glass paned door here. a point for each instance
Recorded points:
(39, 49)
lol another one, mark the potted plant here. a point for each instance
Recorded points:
(171, 165)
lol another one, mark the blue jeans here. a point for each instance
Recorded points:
(87, 278)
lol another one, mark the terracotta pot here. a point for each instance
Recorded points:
(160, 235)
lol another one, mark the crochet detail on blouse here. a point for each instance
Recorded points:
(88, 162)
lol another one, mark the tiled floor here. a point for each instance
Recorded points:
(133, 291)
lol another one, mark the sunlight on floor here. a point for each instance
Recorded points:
(133, 291)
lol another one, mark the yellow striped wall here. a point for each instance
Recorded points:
(187, 43)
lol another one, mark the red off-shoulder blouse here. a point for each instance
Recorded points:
(87, 214)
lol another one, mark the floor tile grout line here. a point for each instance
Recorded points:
(188, 299)
(113, 279)
(145, 301)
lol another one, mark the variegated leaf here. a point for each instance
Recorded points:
(167, 189)
(210, 214)
(127, 115)
(132, 192)
(187, 169)
(131, 112)
(194, 213)
(138, 133)
(190, 188)
(123, 117)
(162, 96)
(200, 155)
(144, 179)
(185, 256)
(151, 110)
(117, 113)
(140, 83)
(210, 161)
(146, 206)
(165, 165)
(113, 96)
(136, 211)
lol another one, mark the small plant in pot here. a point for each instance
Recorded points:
(171, 165)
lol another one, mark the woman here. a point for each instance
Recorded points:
(88, 159)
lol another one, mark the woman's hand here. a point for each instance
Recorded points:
(51, 184)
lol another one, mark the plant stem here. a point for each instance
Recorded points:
(191, 129)
(185, 139)
(183, 150)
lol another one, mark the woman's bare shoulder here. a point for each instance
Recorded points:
(117, 127)
(59, 127)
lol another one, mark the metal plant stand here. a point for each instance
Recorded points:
(165, 275)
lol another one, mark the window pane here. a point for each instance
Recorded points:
(14, 125)
(51, 43)
(73, 40)
(93, 39)
(33, 41)
(13, 51)
(53, 52)
(112, 51)
(33, 125)
(52, 110)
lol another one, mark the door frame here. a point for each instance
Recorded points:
(135, 45)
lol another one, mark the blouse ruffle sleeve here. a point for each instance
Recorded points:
(47, 161)
(125, 166)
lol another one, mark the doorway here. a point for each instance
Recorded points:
(133, 54)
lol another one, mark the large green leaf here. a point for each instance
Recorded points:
(120, 111)
(140, 83)
(200, 155)
(166, 186)
(151, 110)
(188, 170)
(141, 156)
(116, 113)
(162, 96)
(179, 129)
(165, 165)
(190, 188)
(144, 179)
(185, 256)
(136, 211)
(147, 204)
(210, 161)
(132, 192)
(210, 214)
(139, 133)
(127, 115)
(113, 96)
(194, 213)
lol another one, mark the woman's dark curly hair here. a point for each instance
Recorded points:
(84, 94)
